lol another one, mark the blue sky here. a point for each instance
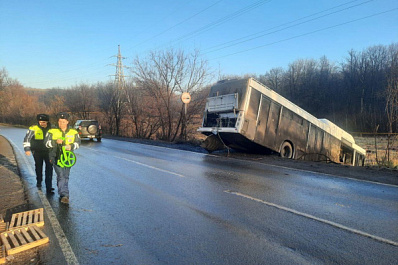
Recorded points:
(51, 43)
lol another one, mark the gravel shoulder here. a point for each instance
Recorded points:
(375, 174)
(12, 193)
(14, 199)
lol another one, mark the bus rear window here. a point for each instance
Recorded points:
(220, 120)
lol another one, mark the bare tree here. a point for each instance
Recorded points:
(17, 106)
(192, 79)
(118, 101)
(273, 79)
(392, 95)
(164, 75)
(141, 111)
(82, 100)
(392, 102)
(57, 105)
(6, 80)
(106, 102)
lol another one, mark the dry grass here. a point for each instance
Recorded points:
(370, 143)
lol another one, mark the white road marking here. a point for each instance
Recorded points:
(340, 226)
(326, 174)
(152, 167)
(284, 167)
(145, 165)
(70, 256)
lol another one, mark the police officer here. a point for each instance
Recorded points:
(34, 143)
(62, 137)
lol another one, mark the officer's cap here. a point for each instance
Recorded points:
(43, 117)
(63, 115)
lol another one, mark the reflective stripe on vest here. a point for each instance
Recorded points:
(69, 137)
(38, 132)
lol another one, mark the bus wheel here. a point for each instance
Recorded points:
(287, 150)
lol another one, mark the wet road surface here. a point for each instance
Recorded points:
(140, 204)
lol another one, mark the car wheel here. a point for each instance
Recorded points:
(286, 150)
(99, 139)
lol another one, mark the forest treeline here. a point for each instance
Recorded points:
(359, 94)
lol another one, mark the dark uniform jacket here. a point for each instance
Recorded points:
(34, 138)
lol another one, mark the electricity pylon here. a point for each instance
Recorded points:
(119, 76)
(120, 92)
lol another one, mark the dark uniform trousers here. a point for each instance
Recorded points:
(40, 157)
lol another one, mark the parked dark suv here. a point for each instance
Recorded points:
(89, 129)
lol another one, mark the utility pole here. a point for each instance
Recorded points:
(119, 91)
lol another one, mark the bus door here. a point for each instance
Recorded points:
(311, 140)
(315, 141)
(272, 126)
(262, 119)
(250, 125)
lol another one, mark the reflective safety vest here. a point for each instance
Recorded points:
(38, 132)
(69, 136)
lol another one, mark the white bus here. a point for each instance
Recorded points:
(244, 114)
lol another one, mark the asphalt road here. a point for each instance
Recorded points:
(140, 204)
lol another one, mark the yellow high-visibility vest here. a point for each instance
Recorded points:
(38, 132)
(69, 136)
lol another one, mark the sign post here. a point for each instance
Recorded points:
(185, 98)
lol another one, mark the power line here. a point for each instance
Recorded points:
(207, 27)
(85, 75)
(256, 35)
(180, 23)
(221, 21)
(242, 39)
(308, 33)
(95, 64)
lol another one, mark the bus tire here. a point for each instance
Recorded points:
(286, 150)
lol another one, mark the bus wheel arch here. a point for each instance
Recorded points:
(287, 150)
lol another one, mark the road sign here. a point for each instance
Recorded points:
(186, 97)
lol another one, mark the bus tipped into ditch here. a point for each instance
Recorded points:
(246, 115)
